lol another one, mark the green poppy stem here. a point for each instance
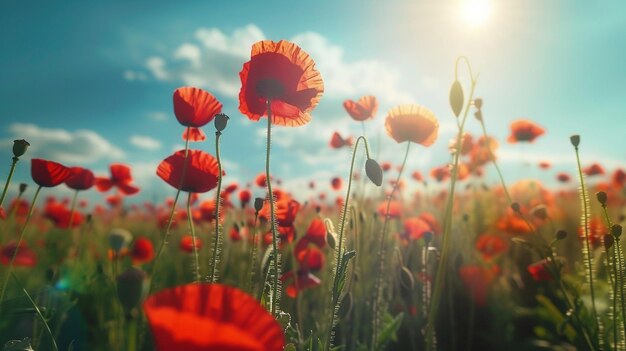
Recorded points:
(216, 243)
(275, 300)
(6, 184)
(378, 290)
(196, 264)
(17, 247)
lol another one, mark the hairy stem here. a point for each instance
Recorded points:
(275, 305)
(218, 199)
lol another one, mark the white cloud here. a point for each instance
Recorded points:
(158, 116)
(215, 60)
(77, 147)
(144, 142)
(130, 75)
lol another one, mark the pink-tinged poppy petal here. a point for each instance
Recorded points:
(198, 317)
(48, 173)
(195, 134)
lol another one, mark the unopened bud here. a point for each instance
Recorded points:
(478, 103)
(130, 287)
(19, 147)
(221, 120)
(515, 206)
(608, 241)
(602, 198)
(374, 172)
(616, 230)
(258, 203)
(561, 234)
(119, 238)
(575, 140)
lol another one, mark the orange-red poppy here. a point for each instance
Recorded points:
(490, 246)
(261, 180)
(80, 179)
(415, 228)
(316, 233)
(417, 176)
(545, 165)
(186, 243)
(363, 109)
(395, 209)
(120, 178)
(511, 223)
(195, 107)
(593, 169)
(25, 257)
(282, 73)
(200, 176)
(539, 271)
(235, 320)
(304, 279)
(142, 251)
(596, 231)
(244, 197)
(478, 281)
(48, 173)
(336, 183)
(563, 177)
(59, 214)
(413, 123)
(524, 130)
(309, 257)
(618, 178)
(440, 173)
(337, 141)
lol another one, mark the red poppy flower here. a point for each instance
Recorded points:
(336, 141)
(142, 251)
(261, 180)
(619, 178)
(467, 144)
(284, 74)
(235, 320)
(596, 232)
(60, 215)
(309, 257)
(207, 211)
(231, 188)
(316, 233)
(195, 107)
(490, 246)
(524, 130)
(48, 173)
(285, 208)
(478, 281)
(120, 178)
(25, 256)
(363, 109)
(513, 224)
(417, 176)
(236, 233)
(80, 179)
(286, 234)
(415, 227)
(594, 169)
(186, 243)
(385, 166)
(539, 271)
(336, 183)
(395, 209)
(545, 165)
(200, 175)
(563, 177)
(114, 200)
(244, 197)
(304, 280)
(412, 123)
(440, 173)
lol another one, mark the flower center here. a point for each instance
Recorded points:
(270, 88)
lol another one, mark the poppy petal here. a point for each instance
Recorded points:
(48, 173)
(194, 134)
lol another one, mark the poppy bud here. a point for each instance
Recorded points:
(427, 236)
(616, 230)
(19, 147)
(374, 172)
(258, 203)
(515, 206)
(330, 239)
(575, 140)
(456, 98)
(119, 238)
(130, 287)
(561, 234)
(220, 121)
(478, 103)
(602, 198)
(608, 241)
(23, 187)
(406, 278)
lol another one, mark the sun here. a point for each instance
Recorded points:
(476, 12)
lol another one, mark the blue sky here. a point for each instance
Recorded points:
(90, 83)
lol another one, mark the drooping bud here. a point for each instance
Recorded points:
(602, 198)
(374, 171)
(561, 234)
(456, 98)
(19, 147)
(616, 230)
(221, 120)
(575, 140)
(130, 287)
(258, 203)
(478, 103)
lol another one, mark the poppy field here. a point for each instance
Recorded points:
(382, 255)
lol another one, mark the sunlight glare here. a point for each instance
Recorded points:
(476, 12)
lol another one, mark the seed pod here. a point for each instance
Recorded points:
(575, 140)
(516, 207)
(258, 204)
(119, 239)
(478, 103)
(19, 147)
(616, 230)
(23, 187)
(561, 234)
(220, 121)
(608, 241)
(374, 172)
(456, 98)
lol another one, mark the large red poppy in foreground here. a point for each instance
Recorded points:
(208, 317)
(284, 74)
(201, 173)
